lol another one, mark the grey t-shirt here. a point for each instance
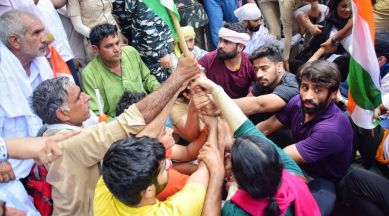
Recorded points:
(287, 89)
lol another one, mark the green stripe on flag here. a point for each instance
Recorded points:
(362, 88)
(161, 11)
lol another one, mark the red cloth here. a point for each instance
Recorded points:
(292, 189)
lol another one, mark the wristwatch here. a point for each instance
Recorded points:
(334, 42)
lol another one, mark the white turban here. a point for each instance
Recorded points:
(233, 36)
(249, 11)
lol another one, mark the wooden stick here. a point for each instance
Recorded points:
(181, 39)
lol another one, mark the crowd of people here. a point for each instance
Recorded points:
(103, 113)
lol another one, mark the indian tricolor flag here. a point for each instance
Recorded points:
(364, 73)
(160, 8)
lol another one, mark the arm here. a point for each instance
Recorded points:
(42, 149)
(79, 26)
(189, 125)
(260, 104)
(291, 150)
(190, 152)
(59, 3)
(153, 128)
(328, 46)
(269, 125)
(212, 157)
(151, 105)
(74, 12)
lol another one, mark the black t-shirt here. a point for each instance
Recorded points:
(286, 89)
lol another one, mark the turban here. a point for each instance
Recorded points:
(233, 36)
(249, 11)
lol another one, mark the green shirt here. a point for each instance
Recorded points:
(248, 128)
(135, 77)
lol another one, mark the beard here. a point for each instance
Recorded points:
(317, 107)
(222, 55)
(253, 28)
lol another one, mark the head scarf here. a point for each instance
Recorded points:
(249, 11)
(187, 32)
(233, 36)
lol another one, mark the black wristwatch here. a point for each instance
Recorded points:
(334, 42)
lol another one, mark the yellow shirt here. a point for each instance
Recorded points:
(189, 201)
(74, 175)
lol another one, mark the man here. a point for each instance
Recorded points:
(274, 87)
(84, 151)
(322, 132)
(190, 36)
(250, 16)
(145, 168)
(151, 36)
(228, 66)
(114, 70)
(45, 11)
(219, 11)
(22, 68)
(61, 104)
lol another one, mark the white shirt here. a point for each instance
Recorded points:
(263, 37)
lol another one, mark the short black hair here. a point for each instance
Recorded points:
(238, 27)
(99, 32)
(127, 99)
(320, 72)
(130, 166)
(266, 51)
(382, 44)
(257, 168)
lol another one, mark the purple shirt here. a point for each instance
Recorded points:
(235, 83)
(325, 143)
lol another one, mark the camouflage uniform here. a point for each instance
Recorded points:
(151, 36)
(192, 13)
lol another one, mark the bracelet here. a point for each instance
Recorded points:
(334, 42)
(3, 150)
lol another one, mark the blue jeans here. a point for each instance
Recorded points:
(324, 192)
(217, 11)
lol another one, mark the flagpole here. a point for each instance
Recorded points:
(181, 39)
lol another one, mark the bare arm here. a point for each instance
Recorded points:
(188, 126)
(42, 149)
(190, 152)
(260, 104)
(269, 125)
(153, 128)
(59, 3)
(291, 150)
(153, 103)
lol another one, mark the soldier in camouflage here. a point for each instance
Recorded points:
(151, 36)
(193, 14)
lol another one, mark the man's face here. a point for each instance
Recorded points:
(78, 105)
(190, 42)
(109, 49)
(267, 71)
(226, 49)
(314, 98)
(254, 25)
(35, 42)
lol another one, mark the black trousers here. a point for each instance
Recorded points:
(365, 193)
